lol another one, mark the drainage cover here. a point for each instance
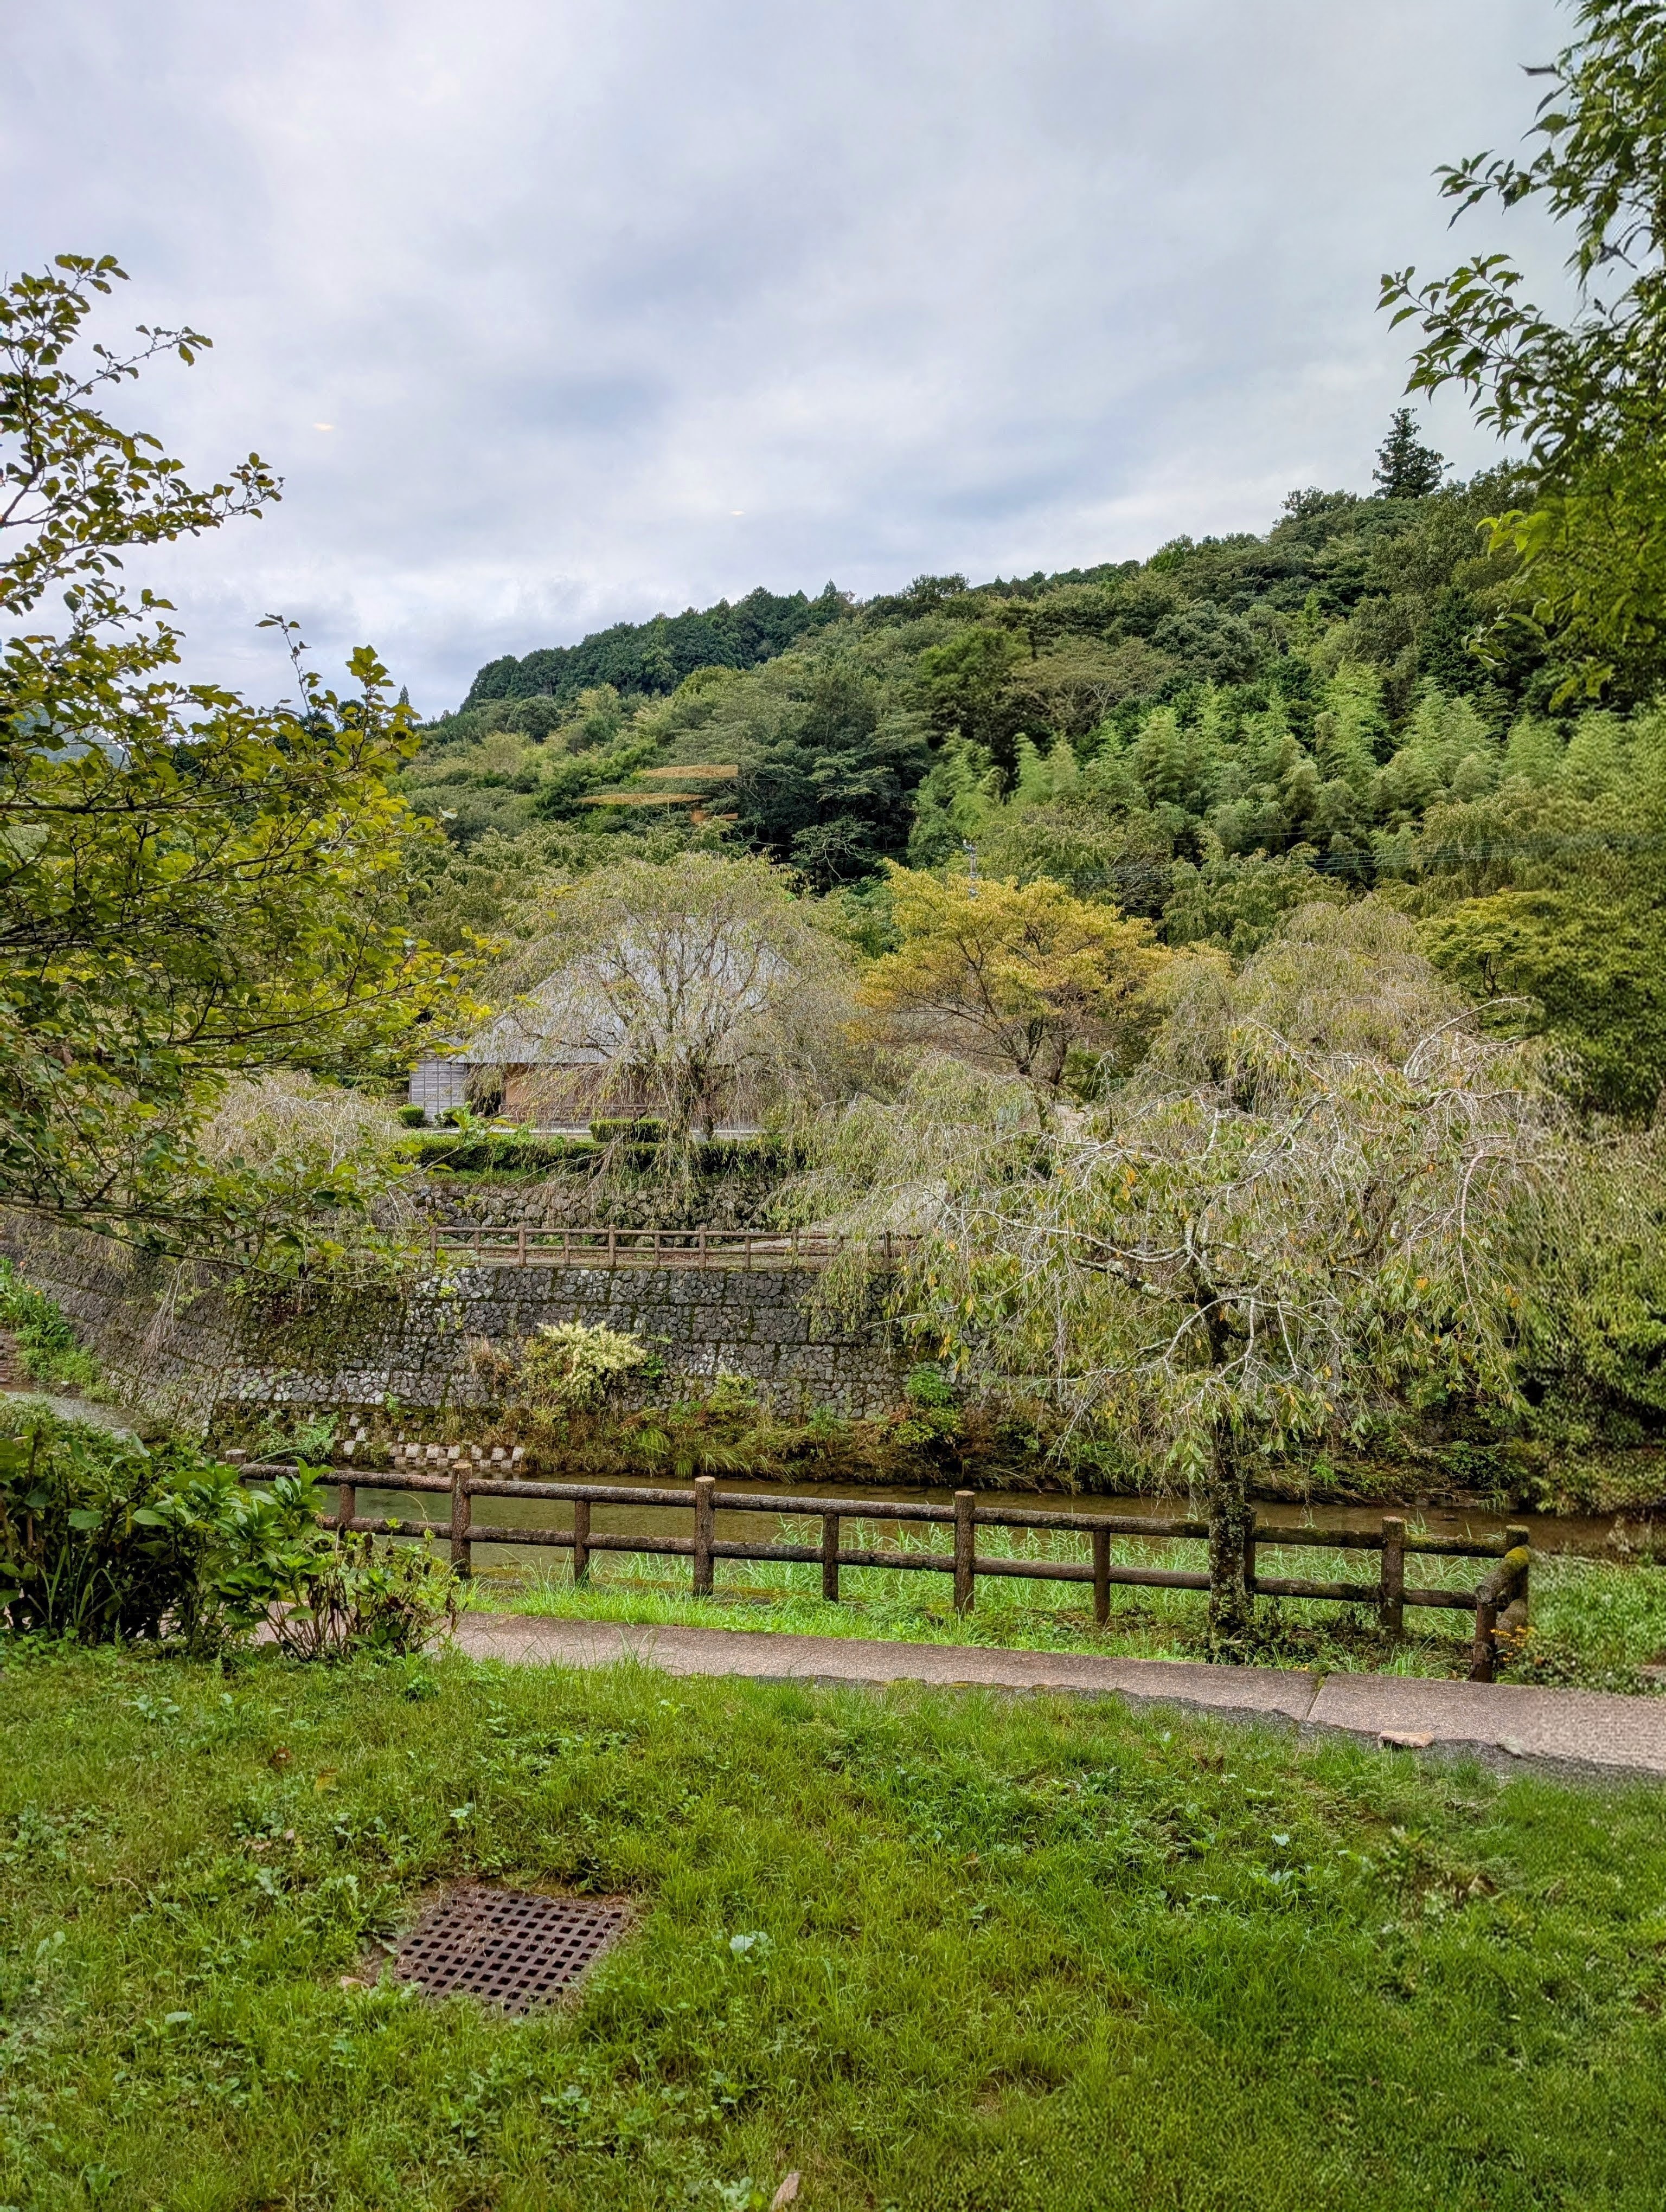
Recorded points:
(509, 1947)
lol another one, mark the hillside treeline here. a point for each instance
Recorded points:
(1208, 738)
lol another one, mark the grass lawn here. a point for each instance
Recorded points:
(1595, 1622)
(930, 1951)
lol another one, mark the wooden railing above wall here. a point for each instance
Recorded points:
(761, 1249)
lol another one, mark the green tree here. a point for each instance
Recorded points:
(693, 985)
(1406, 467)
(191, 887)
(827, 787)
(1594, 970)
(1016, 976)
(1314, 1206)
(1540, 873)
(965, 685)
(1584, 396)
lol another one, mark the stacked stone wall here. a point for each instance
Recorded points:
(179, 1342)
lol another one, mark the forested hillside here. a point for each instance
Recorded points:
(655, 656)
(1208, 738)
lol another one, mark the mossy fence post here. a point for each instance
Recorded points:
(1501, 1603)
(705, 1524)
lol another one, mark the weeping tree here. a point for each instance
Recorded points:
(690, 989)
(1316, 1205)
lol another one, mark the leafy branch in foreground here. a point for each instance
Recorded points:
(1315, 1204)
(193, 888)
(1585, 394)
(75, 486)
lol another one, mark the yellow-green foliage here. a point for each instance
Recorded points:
(570, 1367)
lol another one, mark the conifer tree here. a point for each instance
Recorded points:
(1406, 467)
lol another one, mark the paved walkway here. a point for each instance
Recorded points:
(1580, 1732)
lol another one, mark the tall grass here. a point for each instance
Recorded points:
(48, 1348)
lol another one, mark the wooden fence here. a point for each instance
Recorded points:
(1499, 1604)
(522, 1247)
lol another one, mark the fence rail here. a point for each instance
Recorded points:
(1499, 1604)
(522, 1247)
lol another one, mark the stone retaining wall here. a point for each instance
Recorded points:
(180, 1343)
(763, 1326)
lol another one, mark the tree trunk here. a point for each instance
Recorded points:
(1232, 1605)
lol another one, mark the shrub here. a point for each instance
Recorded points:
(105, 1541)
(568, 1368)
(414, 1117)
(500, 1152)
(311, 1440)
(238, 1553)
(932, 1414)
(46, 1343)
(350, 1597)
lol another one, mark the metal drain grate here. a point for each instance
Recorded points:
(508, 1946)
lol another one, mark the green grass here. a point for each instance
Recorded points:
(1595, 1621)
(48, 1348)
(996, 1954)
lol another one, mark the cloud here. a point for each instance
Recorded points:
(616, 304)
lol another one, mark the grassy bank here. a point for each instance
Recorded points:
(1596, 1622)
(928, 1952)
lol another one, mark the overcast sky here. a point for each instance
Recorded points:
(558, 312)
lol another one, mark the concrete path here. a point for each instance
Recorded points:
(1580, 1732)
(85, 1410)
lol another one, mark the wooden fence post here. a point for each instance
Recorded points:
(705, 1521)
(347, 1504)
(1520, 1539)
(1504, 1591)
(1512, 1621)
(1392, 1602)
(830, 1557)
(1483, 1652)
(581, 1540)
(965, 1558)
(462, 1551)
(1250, 1557)
(1101, 1577)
